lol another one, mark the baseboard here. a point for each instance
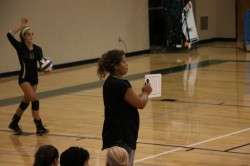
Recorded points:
(138, 53)
(8, 74)
(217, 40)
(76, 63)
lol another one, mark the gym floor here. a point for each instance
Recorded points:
(201, 118)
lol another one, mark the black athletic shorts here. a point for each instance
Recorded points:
(31, 81)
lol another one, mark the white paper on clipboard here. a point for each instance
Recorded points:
(155, 82)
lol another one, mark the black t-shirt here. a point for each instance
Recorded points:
(121, 119)
(27, 58)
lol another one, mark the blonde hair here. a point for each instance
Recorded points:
(117, 156)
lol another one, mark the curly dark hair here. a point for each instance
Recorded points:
(108, 61)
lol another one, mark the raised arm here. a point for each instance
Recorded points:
(11, 33)
(24, 23)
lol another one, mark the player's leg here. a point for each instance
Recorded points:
(35, 113)
(17, 116)
(30, 93)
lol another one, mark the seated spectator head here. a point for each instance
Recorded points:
(74, 156)
(117, 156)
(46, 155)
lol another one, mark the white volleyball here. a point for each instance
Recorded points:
(46, 64)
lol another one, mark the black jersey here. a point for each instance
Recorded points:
(121, 119)
(27, 59)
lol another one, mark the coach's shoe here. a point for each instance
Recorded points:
(40, 129)
(14, 125)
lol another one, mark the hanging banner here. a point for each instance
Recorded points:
(188, 24)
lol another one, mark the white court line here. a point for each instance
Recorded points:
(191, 145)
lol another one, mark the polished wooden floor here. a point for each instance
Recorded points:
(202, 117)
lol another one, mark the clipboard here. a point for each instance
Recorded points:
(155, 82)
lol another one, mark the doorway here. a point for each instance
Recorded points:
(156, 23)
(242, 7)
(165, 23)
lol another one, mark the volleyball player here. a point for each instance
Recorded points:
(28, 55)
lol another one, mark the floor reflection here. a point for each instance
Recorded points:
(15, 139)
(190, 73)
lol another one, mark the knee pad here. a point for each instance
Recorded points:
(23, 105)
(35, 105)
